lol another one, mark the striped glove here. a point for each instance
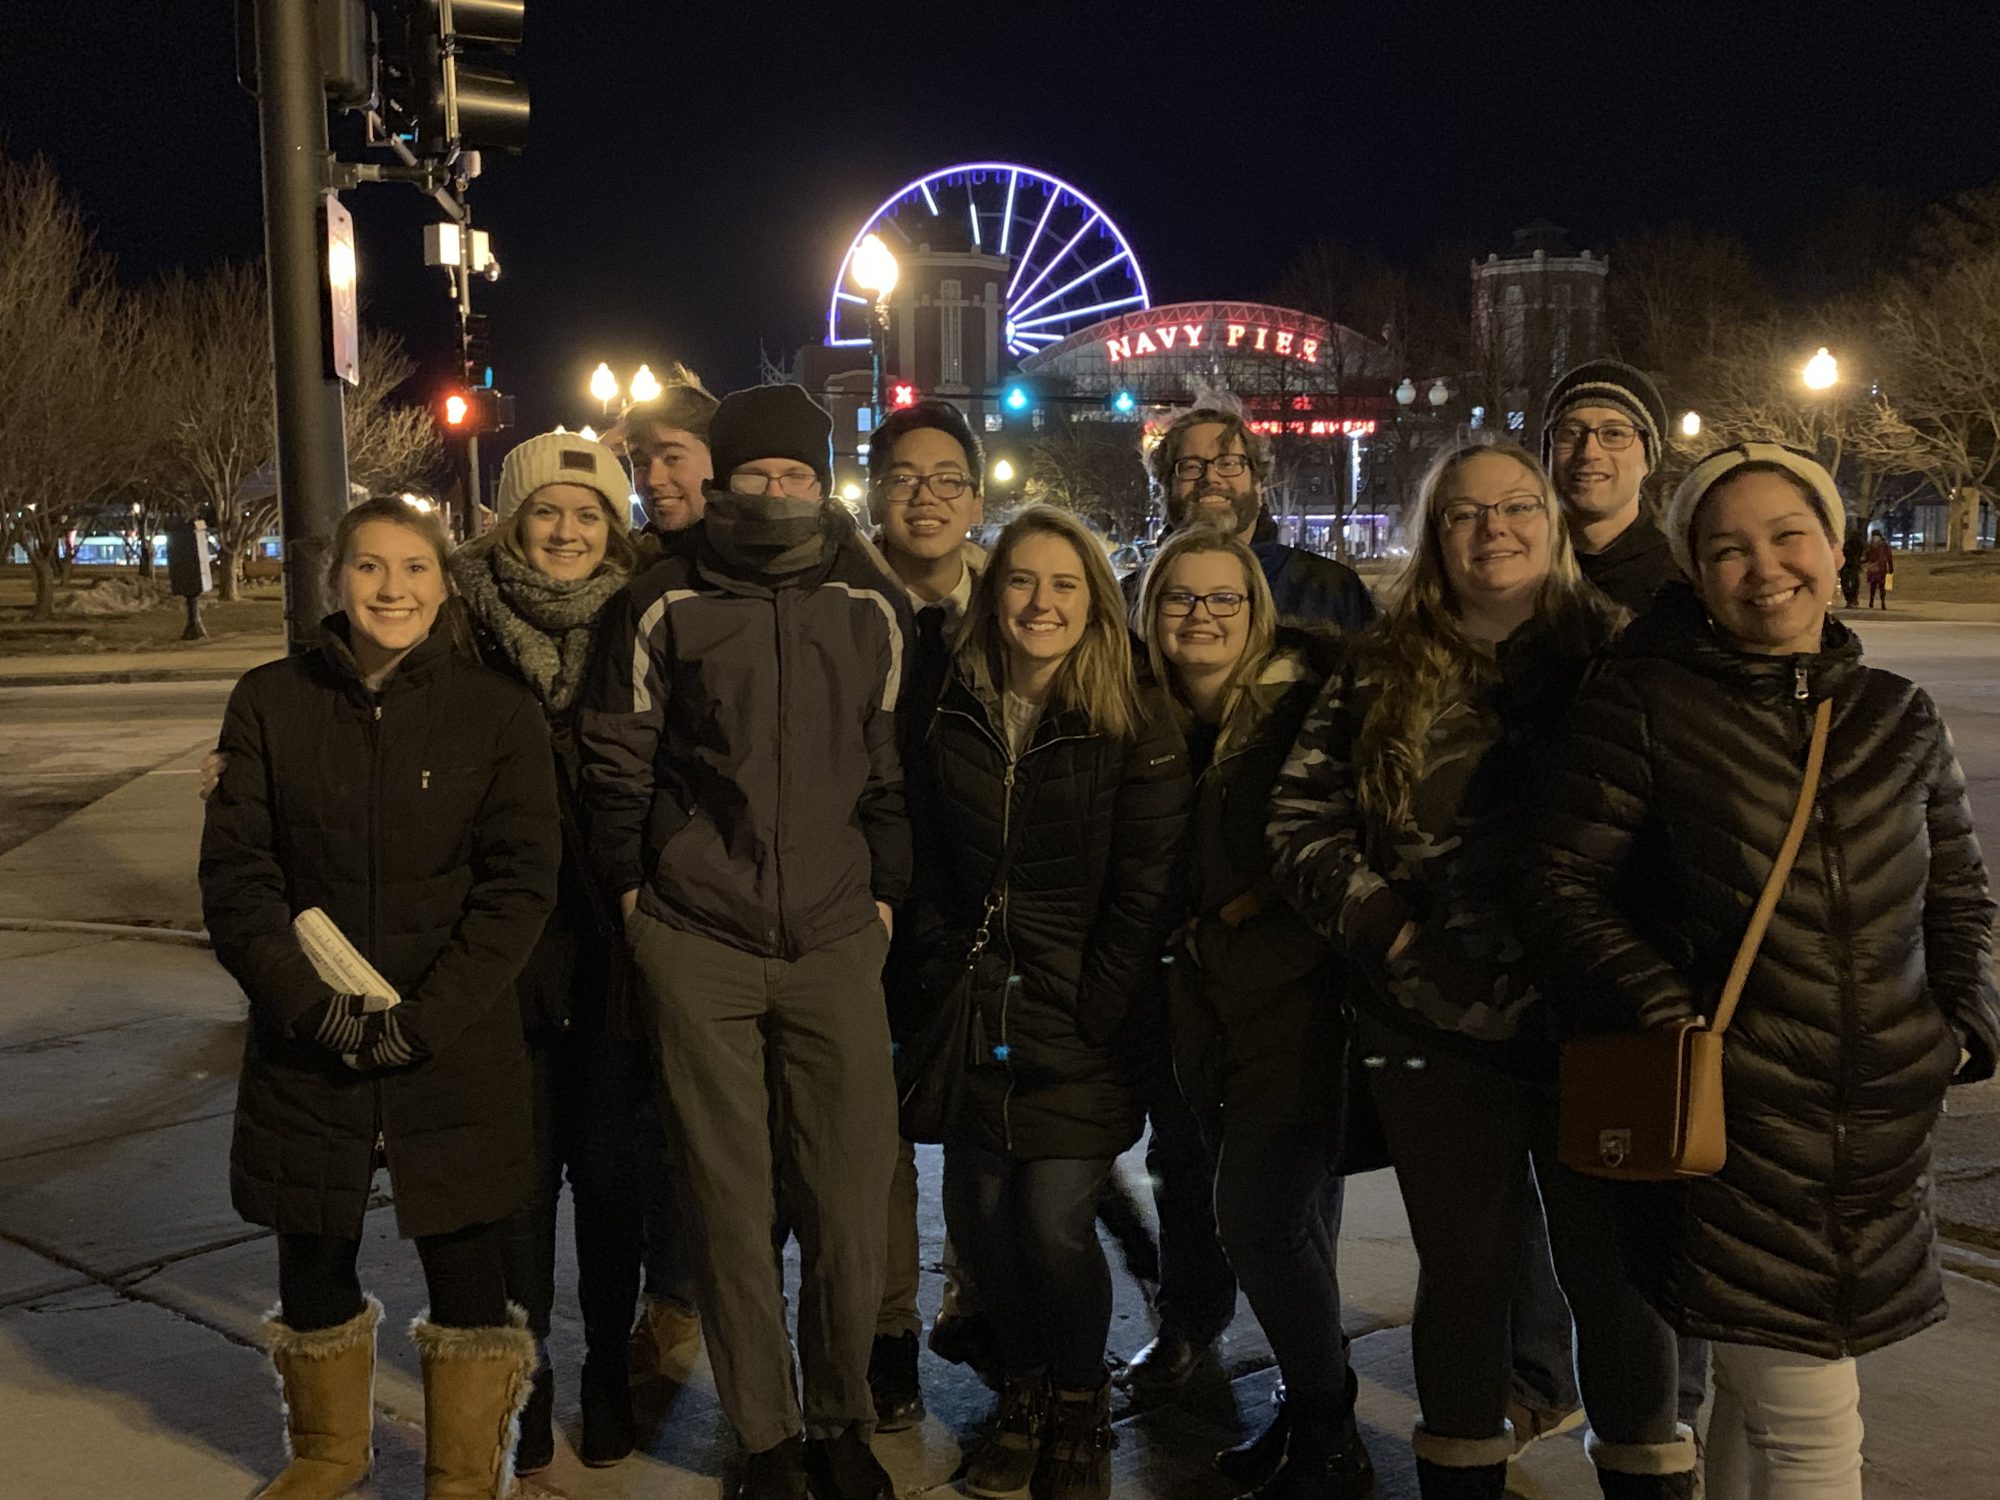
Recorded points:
(364, 1039)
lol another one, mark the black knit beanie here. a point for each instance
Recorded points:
(1602, 382)
(771, 421)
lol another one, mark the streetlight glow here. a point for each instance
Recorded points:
(603, 384)
(1821, 371)
(587, 433)
(850, 491)
(645, 385)
(875, 269)
(1003, 472)
(1691, 424)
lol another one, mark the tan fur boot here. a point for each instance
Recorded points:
(328, 1379)
(476, 1381)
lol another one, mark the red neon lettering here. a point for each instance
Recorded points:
(1167, 335)
(1284, 344)
(1309, 351)
(1236, 332)
(1262, 334)
(1194, 332)
(1118, 349)
(1144, 345)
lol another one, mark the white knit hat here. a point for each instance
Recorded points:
(1720, 464)
(561, 458)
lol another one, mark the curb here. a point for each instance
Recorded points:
(86, 679)
(181, 936)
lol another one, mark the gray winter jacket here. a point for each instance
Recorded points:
(740, 763)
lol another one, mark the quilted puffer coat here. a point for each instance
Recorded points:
(1659, 825)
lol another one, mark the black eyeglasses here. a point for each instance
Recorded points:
(1228, 465)
(903, 487)
(1612, 437)
(1223, 604)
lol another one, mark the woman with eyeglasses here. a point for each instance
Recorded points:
(1254, 1018)
(1397, 823)
(1057, 788)
(1657, 828)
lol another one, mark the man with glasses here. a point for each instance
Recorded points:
(1601, 437)
(1209, 468)
(741, 765)
(924, 498)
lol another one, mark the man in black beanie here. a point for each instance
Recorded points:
(746, 797)
(1602, 434)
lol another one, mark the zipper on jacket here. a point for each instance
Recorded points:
(1006, 1049)
(778, 812)
(1801, 688)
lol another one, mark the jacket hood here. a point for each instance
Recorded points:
(1677, 628)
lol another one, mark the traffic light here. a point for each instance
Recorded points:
(902, 395)
(457, 87)
(467, 409)
(1017, 398)
(1123, 402)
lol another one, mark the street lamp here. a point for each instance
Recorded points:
(645, 385)
(603, 387)
(1406, 393)
(1002, 471)
(1821, 372)
(1440, 392)
(876, 273)
(1691, 424)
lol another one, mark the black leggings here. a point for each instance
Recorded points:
(463, 1274)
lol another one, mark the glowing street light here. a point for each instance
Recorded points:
(603, 388)
(1691, 424)
(850, 491)
(1821, 372)
(1003, 472)
(645, 385)
(876, 273)
(587, 433)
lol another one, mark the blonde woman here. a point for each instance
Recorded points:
(1044, 744)
(1395, 824)
(1256, 1017)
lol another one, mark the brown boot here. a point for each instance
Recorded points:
(328, 1379)
(476, 1381)
(665, 1341)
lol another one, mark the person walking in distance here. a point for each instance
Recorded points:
(741, 770)
(1879, 564)
(406, 794)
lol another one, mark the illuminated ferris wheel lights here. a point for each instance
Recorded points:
(1071, 285)
(1034, 239)
(1060, 256)
(1007, 219)
(926, 188)
(1062, 317)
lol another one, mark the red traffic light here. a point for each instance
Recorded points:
(902, 395)
(456, 409)
(473, 409)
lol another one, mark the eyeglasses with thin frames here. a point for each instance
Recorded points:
(1612, 437)
(800, 484)
(1222, 604)
(1465, 514)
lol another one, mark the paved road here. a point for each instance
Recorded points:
(61, 748)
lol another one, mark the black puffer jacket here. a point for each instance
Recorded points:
(1659, 825)
(423, 821)
(1097, 823)
(1257, 1016)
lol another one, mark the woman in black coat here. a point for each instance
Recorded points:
(1042, 741)
(1871, 989)
(407, 794)
(1257, 1013)
(1397, 827)
(531, 593)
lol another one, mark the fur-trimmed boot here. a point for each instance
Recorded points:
(1450, 1468)
(1646, 1471)
(328, 1379)
(476, 1380)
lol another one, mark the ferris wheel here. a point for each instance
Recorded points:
(1068, 263)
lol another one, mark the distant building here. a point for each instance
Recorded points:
(1536, 311)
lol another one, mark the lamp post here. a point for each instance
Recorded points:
(876, 273)
(1821, 372)
(604, 387)
(645, 385)
(1690, 424)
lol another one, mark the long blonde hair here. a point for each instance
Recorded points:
(1262, 626)
(1419, 653)
(1096, 677)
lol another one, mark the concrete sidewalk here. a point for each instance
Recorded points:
(222, 660)
(130, 1292)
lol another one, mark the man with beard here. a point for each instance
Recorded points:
(1209, 467)
(1601, 439)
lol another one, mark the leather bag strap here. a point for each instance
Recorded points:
(1788, 853)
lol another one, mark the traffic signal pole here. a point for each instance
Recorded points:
(311, 425)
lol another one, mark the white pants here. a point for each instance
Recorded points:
(1785, 1426)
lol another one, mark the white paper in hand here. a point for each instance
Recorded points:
(339, 962)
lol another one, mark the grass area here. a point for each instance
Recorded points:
(1948, 578)
(260, 612)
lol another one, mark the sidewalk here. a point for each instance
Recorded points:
(130, 1292)
(222, 660)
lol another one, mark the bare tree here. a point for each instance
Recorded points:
(1674, 296)
(1092, 469)
(224, 422)
(391, 445)
(70, 377)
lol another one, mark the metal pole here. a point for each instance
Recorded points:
(311, 426)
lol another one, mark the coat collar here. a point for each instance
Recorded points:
(411, 671)
(1677, 628)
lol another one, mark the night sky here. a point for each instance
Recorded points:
(695, 173)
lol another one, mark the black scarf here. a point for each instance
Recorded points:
(764, 537)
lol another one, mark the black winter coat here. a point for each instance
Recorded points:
(1660, 823)
(1097, 823)
(422, 820)
(1257, 1017)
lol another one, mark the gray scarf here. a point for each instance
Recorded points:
(545, 625)
(764, 537)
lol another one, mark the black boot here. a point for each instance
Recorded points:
(1482, 1482)
(1617, 1486)
(608, 1429)
(1076, 1458)
(892, 1380)
(1249, 1465)
(845, 1468)
(775, 1473)
(1004, 1463)
(1325, 1458)
(537, 1448)
(968, 1339)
